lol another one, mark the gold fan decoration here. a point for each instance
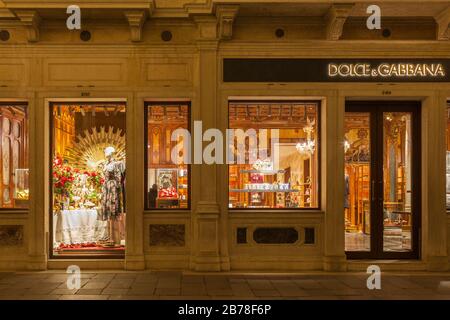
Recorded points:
(88, 152)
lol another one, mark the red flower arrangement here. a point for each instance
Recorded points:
(66, 181)
(63, 177)
(95, 178)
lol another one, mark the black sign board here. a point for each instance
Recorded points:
(336, 70)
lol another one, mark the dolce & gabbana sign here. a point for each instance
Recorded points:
(336, 70)
(386, 70)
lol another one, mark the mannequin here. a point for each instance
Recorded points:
(112, 189)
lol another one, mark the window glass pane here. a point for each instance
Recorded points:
(14, 189)
(357, 175)
(448, 157)
(167, 181)
(275, 151)
(397, 181)
(88, 175)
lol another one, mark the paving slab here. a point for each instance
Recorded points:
(176, 285)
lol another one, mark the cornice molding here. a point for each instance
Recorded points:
(339, 49)
(443, 25)
(335, 19)
(275, 49)
(84, 4)
(4, 12)
(31, 20)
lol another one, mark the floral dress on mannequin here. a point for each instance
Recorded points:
(112, 190)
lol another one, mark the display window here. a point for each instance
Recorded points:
(88, 178)
(14, 187)
(281, 169)
(448, 158)
(167, 173)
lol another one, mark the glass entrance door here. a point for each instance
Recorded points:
(382, 182)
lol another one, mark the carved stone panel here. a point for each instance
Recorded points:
(276, 235)
(241, 235)
(11, 235)
(168, 235)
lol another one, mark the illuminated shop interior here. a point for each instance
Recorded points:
(396, 213)
(287, 175)
(88, 178)
(167, 178)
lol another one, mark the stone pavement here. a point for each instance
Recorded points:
(188, 286)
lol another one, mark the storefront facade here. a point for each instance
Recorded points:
(353, 187)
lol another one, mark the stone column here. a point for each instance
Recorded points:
(434, 217)
(332, 184)
(206, 213)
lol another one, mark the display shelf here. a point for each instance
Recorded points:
(262, 182)
(266, 191)
(264, 172)
(183, 187)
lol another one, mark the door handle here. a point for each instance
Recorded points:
(373, 190)
(381, 194)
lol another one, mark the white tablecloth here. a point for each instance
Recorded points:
(78, 226)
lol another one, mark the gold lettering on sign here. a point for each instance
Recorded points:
(433, 70)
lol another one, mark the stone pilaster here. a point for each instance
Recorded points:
(38, 163)
(134, 253)
(332, 163)
(206, 214)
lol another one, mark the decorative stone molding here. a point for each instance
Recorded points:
(226, 16)
(335, 19)
(4, 12)
(31, 20)
(443, 25)
(167, 235)
(207, 27)
(136, 20)
(11, 235)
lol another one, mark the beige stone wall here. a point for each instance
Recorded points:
(62, 67)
